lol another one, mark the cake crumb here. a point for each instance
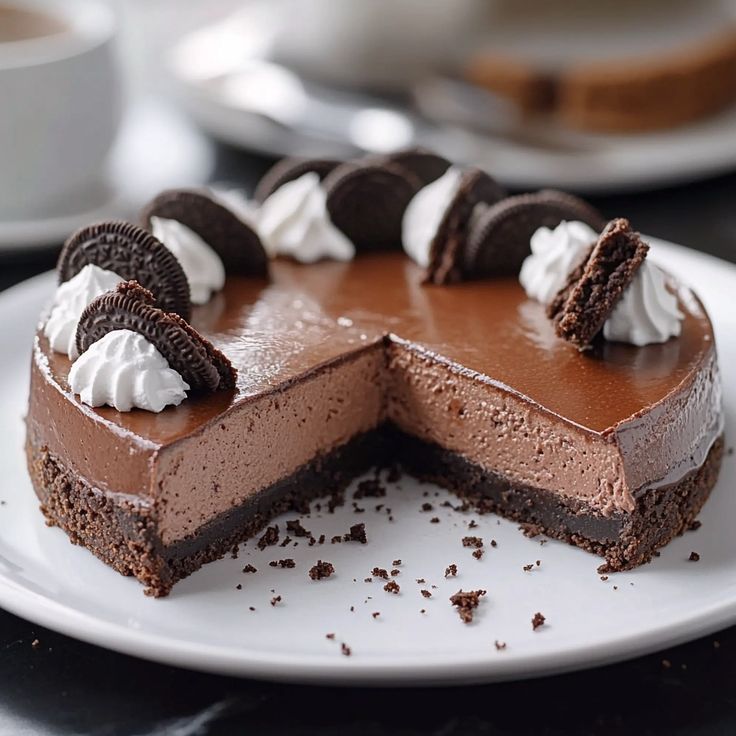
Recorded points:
(295, 527)
(269, 538)
(500, 645)
(694, 557)
(276, 599)
(392, 587)
(426, 506)
(356, 534)
(477, 553)
(321, 570)
(395, 572)
(426, 593)
(494, 543)
(694, 525)
(35, 644)
(537, 620)
(422, 610)
(421, 581)
(466, 602)
(476, 542)
(330, 636)
(527, 568)
(379, 572)
(472, 524)
(249, 568)
(287, 540)
(451, 570)
(396, 563)
(604, 578)
(367, 580)
(336, 539)
(286, 563)
(434, 520)
(239, 586)
(666, 664)
(335, 500)
(376, 614)
(251, 608)
(345, 649)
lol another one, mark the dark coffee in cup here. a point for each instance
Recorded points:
(23, 24)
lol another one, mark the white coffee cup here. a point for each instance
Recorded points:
(60, 104)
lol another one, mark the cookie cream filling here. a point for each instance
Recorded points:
(201, 264)
(647, 312)
(70, 300)
(424, 214)
(555, 255)
(126, 371)
(294, 222)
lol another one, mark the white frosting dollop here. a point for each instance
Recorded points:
(124, 370)
(555, 255)
(424, 214)
(647, 311)
(293, 221)
(70, 300)
(202, 266)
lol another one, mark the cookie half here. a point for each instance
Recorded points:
(426, 165)
(131, 307)
(367, 202)
(477, 188)
(133, 254)
(289, 169)
(237, 244)
(499, 238)
(589, 299)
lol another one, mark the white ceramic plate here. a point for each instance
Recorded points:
(206, 622)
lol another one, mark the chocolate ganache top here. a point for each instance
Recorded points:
(306, 316)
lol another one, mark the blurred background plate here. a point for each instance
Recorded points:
(259, 83)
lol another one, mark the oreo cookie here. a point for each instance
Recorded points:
(589, 300)
(423, 163)
(476, 189)
(133, 254)
(237, 244)
(367, 202)
(131, 307)
(499, 238)
(289, 169)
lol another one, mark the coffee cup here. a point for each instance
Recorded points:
(60, 102)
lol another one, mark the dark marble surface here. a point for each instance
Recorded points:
(61, 686)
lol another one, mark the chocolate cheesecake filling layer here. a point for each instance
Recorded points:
(331, 352)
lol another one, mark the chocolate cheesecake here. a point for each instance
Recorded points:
(343, 366)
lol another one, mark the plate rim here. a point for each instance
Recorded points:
(438, 669)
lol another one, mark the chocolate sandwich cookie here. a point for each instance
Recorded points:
(237, 244)
(499, 238)
(423, 163)
(608, 271)
(289, 169)
(133, 254)
(131, 307)
(476, 188)
(367, 202)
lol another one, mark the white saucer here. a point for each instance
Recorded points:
(156, 148)
(206, 623)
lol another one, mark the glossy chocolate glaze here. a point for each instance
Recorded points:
(311, 315)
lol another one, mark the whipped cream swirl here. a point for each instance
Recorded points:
(647, 311)
(555, 255)
(424, 214)
(202, 266)
(124, 370)
(70, 300)
(294, 222)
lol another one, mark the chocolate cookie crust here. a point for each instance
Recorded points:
(610, 268)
